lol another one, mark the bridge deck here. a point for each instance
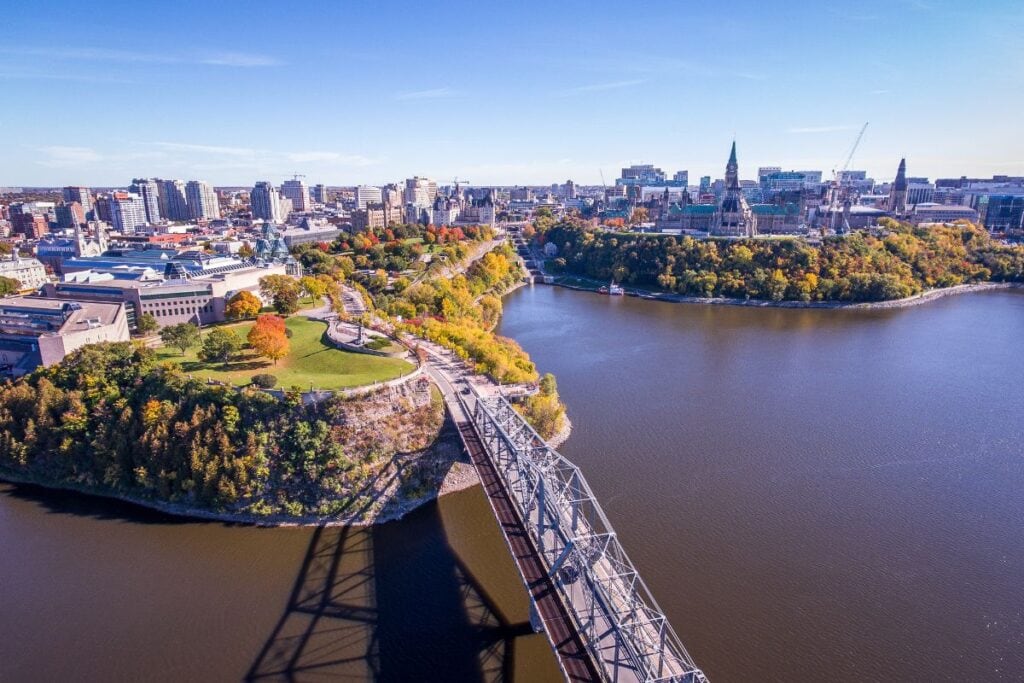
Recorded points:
(561, 630)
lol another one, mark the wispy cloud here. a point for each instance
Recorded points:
(59, 156)
(332, 157)
(34, 75)
(208, 149)
(820, 129)
(235, 59)
(881, 91)
(601, 87)
(431, 94)
(241, 59)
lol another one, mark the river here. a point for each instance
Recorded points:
(810, 494)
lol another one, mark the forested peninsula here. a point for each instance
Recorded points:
(893, 262)
(111, 420)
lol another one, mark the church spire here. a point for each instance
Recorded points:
(732, 170)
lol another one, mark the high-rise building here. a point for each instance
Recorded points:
(569, 190)
(368, 194)
(173, 205)
(681, 178)
(127, 212)
(81, 195)
(202, 200)
(320, 193)
(149, 190)
(642, 174)
(69, 215)
(420, 192)
(297, 191)
(29, 219)
(265, 202)
(101, 209)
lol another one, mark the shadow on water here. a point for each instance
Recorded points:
(66, 502)
(390, 603)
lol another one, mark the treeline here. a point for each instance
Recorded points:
(393, 249)
(893, 262)
(111, 419)
(459, 313)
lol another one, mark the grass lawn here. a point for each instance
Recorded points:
(310, 361)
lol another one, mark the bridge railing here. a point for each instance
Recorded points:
(626, 632)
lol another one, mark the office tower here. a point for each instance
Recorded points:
(297, 191)
(69, 215)
(173, 205)
(29, 219)
(127, 212)
(149, 190)
(202, 200)
(320, 193)
(81, 195)
(265, 202)
(368, 194)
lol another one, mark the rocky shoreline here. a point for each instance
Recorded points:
(914, 300)
(460, 476)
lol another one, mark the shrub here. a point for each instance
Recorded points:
(264, 381)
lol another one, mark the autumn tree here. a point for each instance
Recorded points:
(268, 337)
(242, 305)
(314, 287)
(182, 336)
(283, 291)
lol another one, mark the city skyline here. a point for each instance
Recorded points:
(503, 98)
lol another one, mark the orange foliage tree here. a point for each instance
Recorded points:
(268, 337)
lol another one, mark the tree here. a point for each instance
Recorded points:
(269, 338)
(219, 346)
(283, 291)
(8, 285)
(147, 324)
(246, 251)
(243, 305)
(182, 336)
(313, 286)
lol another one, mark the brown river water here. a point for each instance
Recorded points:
(811, 495)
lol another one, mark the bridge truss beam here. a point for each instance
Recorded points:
(622, 626)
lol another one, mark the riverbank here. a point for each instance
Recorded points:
(460, 476)
(914, 300)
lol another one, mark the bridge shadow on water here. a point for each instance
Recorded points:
(388, 603)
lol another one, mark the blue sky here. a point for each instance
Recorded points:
(499, 93)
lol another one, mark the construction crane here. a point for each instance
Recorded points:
(849, 157)
(296, 176)
(839, 204)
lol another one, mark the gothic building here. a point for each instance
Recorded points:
(897, 204)
(733, 217)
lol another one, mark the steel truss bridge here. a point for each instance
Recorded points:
(598, 614)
